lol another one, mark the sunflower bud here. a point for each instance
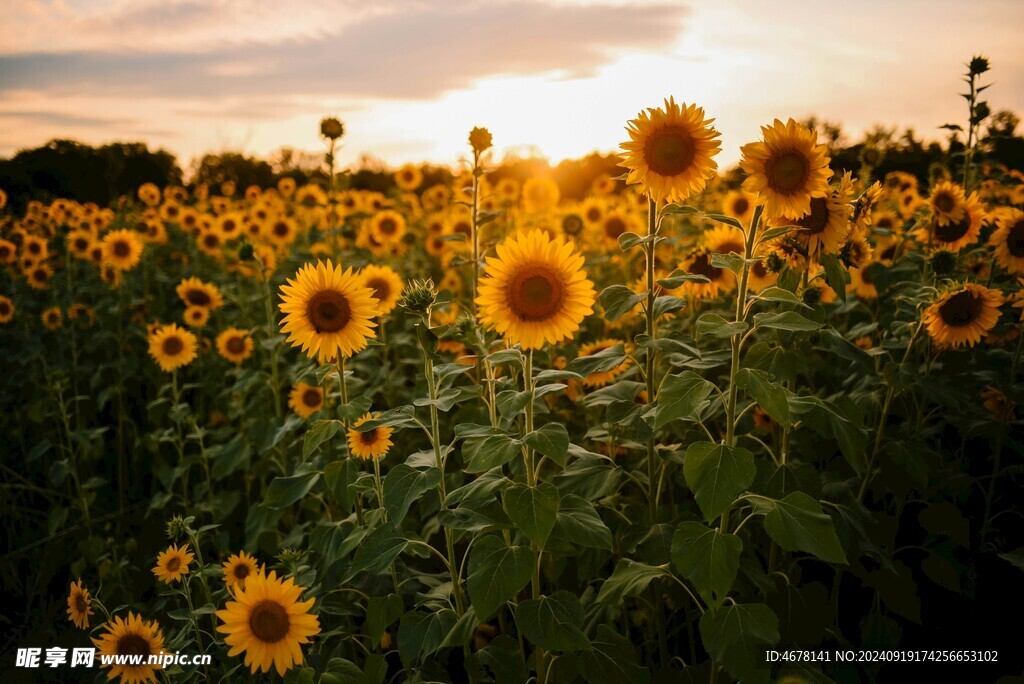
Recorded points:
(811, 296)
(245, 252)
(774, 263)
(176, 528)
(943, 262)
(480, 139)
(331, 128)
(978, 65)
(419, 296)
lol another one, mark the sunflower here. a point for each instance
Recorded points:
(739, 205)
(52, 318)
(6, 309)
(305, 399)
(79, 605)
(371, 443)
(787, 169)
(286, 186)
(210, 242)
(996, 402)
(80, 311)
(238, 567)
(268, 623)
(328, 311)
(149, 193)
(8, 251)
(281, 231)
(194, 292)
(387, 227)
(535, 290)
(861, 283)
(409, 177)
(962, 315)
(955, 235)
(947, 203)
(38, 276)
(670, 151)
(540, 193)
(612, 225)
(35, 247)
(718, 240)
(172, 347)
(759, 277)
(196, 316)
(824, 228)
(1007, 241)
(386, 285)
(122, 249)
(172, 564)
(235, 345)
(132, 637)
(603, 378)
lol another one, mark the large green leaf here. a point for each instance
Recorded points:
(403, 485)
(736, 634)
(616, 300)
(578, 523)
(612, 660)
(381, 612)
(797, 523)
(420, 633)
(552, 440)
(769, 396)
(340, 475)
(378, 551)
(490, 451)
(321, 431)
(496, 573)
(553, 622)
(717, 474)
(532, 509)
(629, 579)
(785, 320)
(284, 491)
(679, 397)
(708, 558)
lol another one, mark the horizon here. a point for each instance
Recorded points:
(557, 78)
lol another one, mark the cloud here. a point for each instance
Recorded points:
(63, 120)
(417, 53)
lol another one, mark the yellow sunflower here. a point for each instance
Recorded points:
(955, 235)
(739, 205)
(535, 290)
(172, 564)
(540, 193)
(8, 251)
(122, 249)
(387, 227)
(718, 240)
(6, 309)
(238, 567)
(131, 637)
(328, 311)
(268, 623)
(962, 315)
(196, 316)
(1007, 241)
(172, 347)
(52, 318)
(601, 379)
(592, 211)
(860, 282)
(612, 225)
(670, 151)
(305, 399)
(194, 292)
(286, 186)
(947, 203)
(371, 443)
(281, 231)
(409, 177)
(786, 169)
(79, 605)
(824, 227)
(386, 285)
(235, 345)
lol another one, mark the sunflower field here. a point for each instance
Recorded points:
(468, 431)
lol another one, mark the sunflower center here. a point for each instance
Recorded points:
(614, 227)
(229, 226)
(133, 645)
(787, 172)
(740, 206)
(961, 309)
(536, 293)
(80, 605)
(884, 223)
(211, 240)
(173, 346)
(1015, 239)
(387, 226)
(281, 229)
(197, 298)
(759, 269)
(951, 232)
(173, 564)
(593, 214)
(464, 228)
(368, 437)
(269, 621)
(311, 398)
(241, 571)
(5, 308)
(81, 244)
(943, 202)
(572, 225)
(727, 247)
(328, 311)
(702, 266)
(381, 288)
(236, 345)
(121, 249)
(670, 151)
(815, 221)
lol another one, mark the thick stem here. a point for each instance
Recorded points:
(650, 252)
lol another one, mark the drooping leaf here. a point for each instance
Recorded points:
(628, 579)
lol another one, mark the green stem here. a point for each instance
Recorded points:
(275, 384)
(650, 253)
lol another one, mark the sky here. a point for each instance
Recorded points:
(410, 78)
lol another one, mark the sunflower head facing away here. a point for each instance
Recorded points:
(370, 443)
(268, 623)
(172, 347)
(306, 399)
(131, 637)
(328, 311)
(79, 605)
(670, 151)
(963, 315)
(238, 567)
(786, 169)
(172, 564)
(535, 290)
